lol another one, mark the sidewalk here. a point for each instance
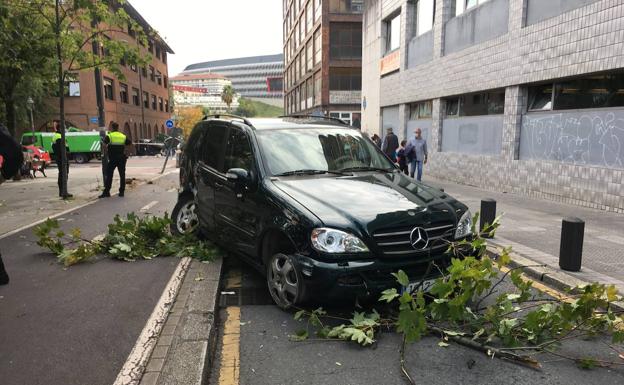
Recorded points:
(533, 228)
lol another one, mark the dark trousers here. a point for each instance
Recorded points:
(120, 165)
(58, 164)
(4, 277)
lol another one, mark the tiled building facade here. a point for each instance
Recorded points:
(323, 58)
(139, 103)
(524, 96)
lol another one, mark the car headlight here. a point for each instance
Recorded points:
(336, 241)
(464, 227)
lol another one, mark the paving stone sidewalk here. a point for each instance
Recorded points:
(533, 228)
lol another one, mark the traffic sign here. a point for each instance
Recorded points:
(94, 119)
(169, 123)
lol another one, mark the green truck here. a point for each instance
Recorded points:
(83, 145)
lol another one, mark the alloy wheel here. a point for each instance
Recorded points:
(283, 281)
(187, 221)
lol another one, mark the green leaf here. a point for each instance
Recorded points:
(299, 314)
(301, 335)
(401, 278)
(442, 344)
(389, 295)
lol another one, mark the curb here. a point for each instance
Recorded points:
(185, 347)
(545, 274)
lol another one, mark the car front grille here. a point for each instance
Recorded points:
(396, 241)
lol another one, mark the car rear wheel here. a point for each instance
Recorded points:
(184, 219)
(81, 158)
(284, 281)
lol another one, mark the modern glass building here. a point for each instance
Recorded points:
(255, 77)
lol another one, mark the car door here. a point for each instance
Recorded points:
(237, 207)
(207, 175)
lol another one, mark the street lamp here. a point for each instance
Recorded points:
(31, 103)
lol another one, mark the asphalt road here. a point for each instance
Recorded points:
(78, 325)
(267, 356)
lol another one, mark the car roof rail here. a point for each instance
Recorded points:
(310, 116)
(218, 116)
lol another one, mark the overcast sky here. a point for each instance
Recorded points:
(203, 30)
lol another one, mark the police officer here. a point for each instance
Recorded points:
(56, 147)
(115, 143)
(11, 159)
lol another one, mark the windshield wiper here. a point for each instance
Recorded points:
(367, 168)
(310, 172)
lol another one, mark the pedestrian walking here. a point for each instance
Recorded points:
(390, 144)
(11, 159)
(56, 148)
(416, 153)
(377, 140)
(401, 158)
(115, 143)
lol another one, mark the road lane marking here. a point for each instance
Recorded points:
(133, 369)
(229, 370)
(149, 206)
(541, 287)
(12, 232)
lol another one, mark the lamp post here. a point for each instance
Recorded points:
(31, 103)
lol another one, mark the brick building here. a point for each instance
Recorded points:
(512, 95)
(140, 103)
(322, 56)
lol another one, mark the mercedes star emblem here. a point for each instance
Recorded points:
(419, 238)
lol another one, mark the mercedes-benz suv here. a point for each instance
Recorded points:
(314, 205)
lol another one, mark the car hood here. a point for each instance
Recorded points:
(371, 201)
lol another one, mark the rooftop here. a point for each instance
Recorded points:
(148, 28)
(197, 76)
(237, 61)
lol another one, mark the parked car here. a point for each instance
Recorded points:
(147, 147)
(314, 205)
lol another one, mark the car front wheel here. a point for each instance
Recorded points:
(284, 281)
(184, 219)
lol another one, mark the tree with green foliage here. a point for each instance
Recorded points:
(246, 108)
(80, 30)
(227, 95)
(26, 61)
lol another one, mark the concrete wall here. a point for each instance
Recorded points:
(371, 51)
(424, 125)
(479, 24)
(420, 50)
(390, 118)
(583, 137)
(586, 39)
(539, 10)
(473, 135)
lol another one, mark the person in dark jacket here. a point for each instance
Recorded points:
(402, 158)
(56, 148)
(376, 139)
(11, 159)
(390, 144)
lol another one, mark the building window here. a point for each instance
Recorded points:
(476, 104)
(345, 41)
(72, 84)
(165, 82)
(462, 6)
(302, 96)
(420, 110)
(150, 46)
(317, 88)
(133, 67)
(145, 99)
(318, 45)
(152, 74)
(161, 104)
(164, 56)
(345, 79)
(393, 33)
(123, 93)
(108, 89)
(317, 10)
(158, 51)
(135, 97)
(159, 77)
(310, 99)
(310, 55)
(166, 105)
(302, 64)
(309, 17)
(425, 16)
(597, 91)
(154, 102)
(346, 6)
(144, 72)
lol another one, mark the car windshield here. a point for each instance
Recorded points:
(313, 150)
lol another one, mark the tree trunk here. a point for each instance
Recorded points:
(9, 106)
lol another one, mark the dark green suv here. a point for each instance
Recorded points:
(314, 205)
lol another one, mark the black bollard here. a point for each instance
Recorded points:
(4, 277)
(571, 249)
(488, 214)
(442, 189)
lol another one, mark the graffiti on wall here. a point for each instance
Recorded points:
(581, 138)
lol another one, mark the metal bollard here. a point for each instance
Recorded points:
(571, 249)
(488, 214)
(442, 189)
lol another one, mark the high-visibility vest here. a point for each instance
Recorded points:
(117, 138)
(56, 136)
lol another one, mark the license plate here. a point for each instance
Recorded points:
(426, 285)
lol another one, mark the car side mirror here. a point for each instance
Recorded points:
(238, 176)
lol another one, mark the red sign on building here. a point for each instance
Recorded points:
(190, 89)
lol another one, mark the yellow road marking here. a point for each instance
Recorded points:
(543, 288)
(229, 372)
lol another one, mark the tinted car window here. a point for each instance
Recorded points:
(318, 149)
(212, 146)
(238, 151)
